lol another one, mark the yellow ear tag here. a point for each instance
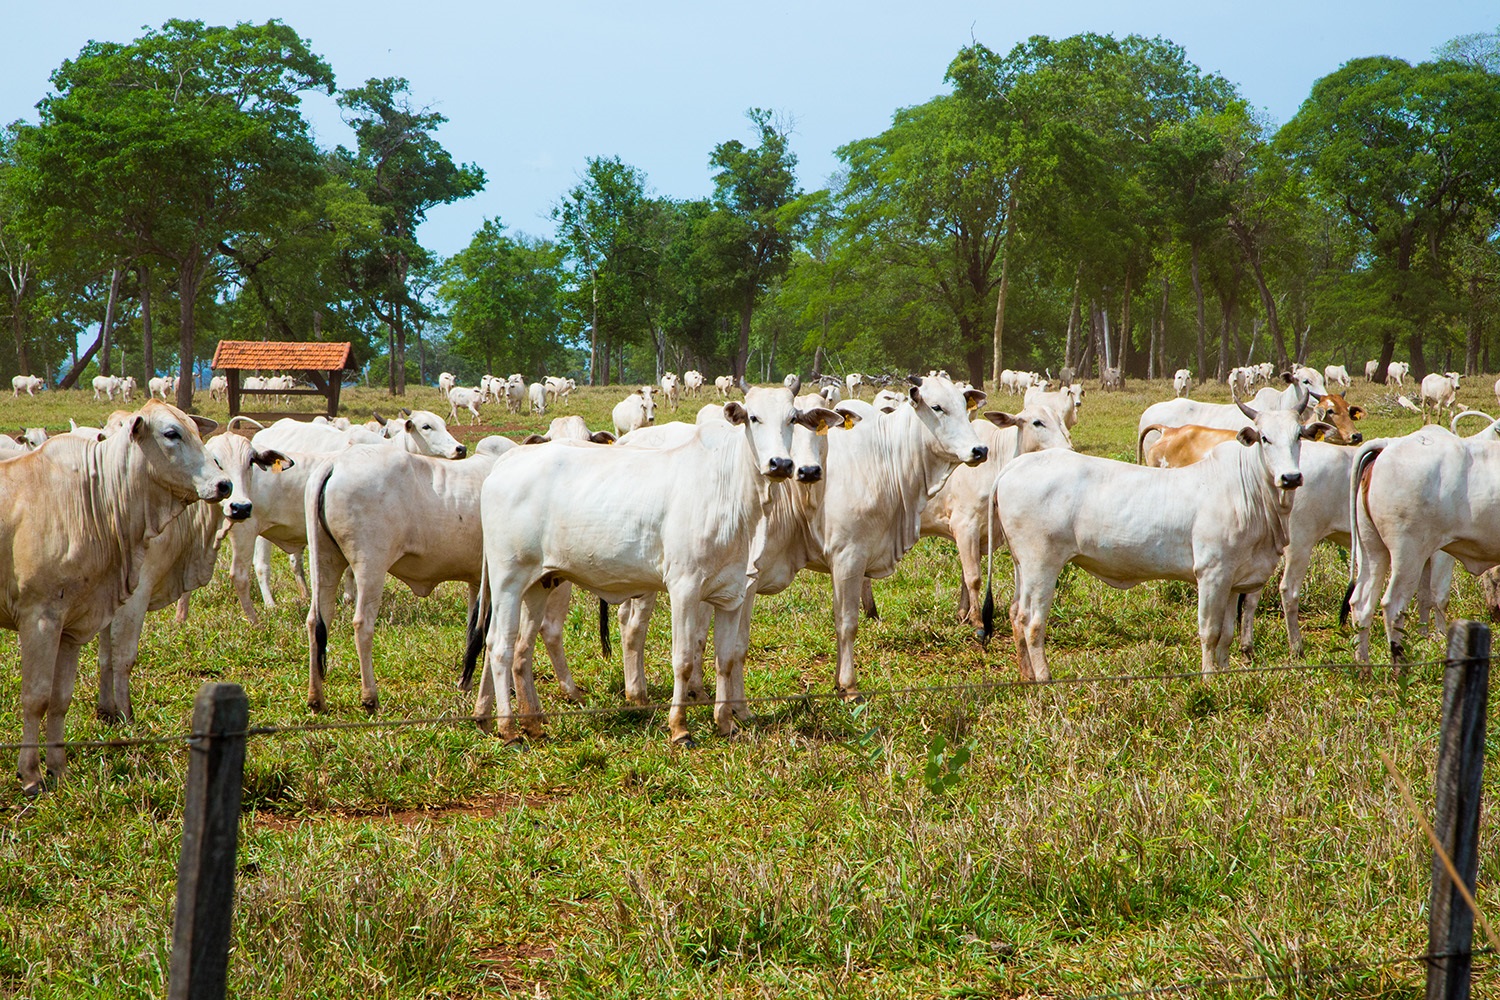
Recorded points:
(848, 421)
(973, 405)
(277, 465)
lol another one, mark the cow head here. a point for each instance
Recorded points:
(944, 411)
(1037, 428)
(810, 439)
(172, 447)
(1278, 436)
(768, 416)
(426, 433)
(1335, 409)
(235, 455)
(648, 403)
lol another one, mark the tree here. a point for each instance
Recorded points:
(1403, 154)
(758, 220)
(176, 143)
(404, 172)
(505, 297)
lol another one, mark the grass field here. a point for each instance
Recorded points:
(1098, 837)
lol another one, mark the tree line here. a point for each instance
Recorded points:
(1087, 202)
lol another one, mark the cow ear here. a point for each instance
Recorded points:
(735, 413)
(975, 397)
(535, 439)
(137, 426)
(602, 437)
(411, 426)
(1356, 413)
(205, 425)
(915, 394)
(1316, 431)
(1287, 377)
(1247, 436)
(273, 460)
(1001, 419)
(819, 420)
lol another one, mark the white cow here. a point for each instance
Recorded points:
(1337, 375)
(558, 388)
(178, 561)
(961, 509)
(887, 400)
(692, 382)
(669, 389)
(724, 383)
(127, 388)
(1065, 402)
(684, 526)
(1395, 373)
(70, 560)
(446, 382)
(1182, 381)
(1312, 378)
(1229, 416)
(536, 393)
(1221, 523)
(636, 410)
(830, 394)
(347, 506)
(106, 384)
(515, 393)
(1240, 381)
(1371, 367)
(27, 383)
(853, 382)
(1439, 392)
(468, 398)
(161, 387)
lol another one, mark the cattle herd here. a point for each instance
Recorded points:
(720, 510)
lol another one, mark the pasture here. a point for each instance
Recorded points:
(1056, 841)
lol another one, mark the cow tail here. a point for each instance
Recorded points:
(987, 614)
(1363, 459)
(318, 536)
(604, 628)
(1140, 441)
(478, 627)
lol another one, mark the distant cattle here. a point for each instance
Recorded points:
(636, 410)
(1182, 381)
(670, 390)
(1371, 367)
(1395, 373)
(25, 383)
(1337, 375)
(1439, 392)
(692, 382)
(724, 383)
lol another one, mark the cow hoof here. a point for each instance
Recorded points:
(982, 636)
(486, 724)
(1248, 652)
(1398, 652)
(110, 716)
(370, 705)
(850, 695)
(685, 741)
(699, 697)
(315, 704)
(34, 789)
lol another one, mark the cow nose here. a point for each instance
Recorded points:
(809, 473)
(222, 489)
(780, 468)
(1357, 438)
(239, 510)
(979, 454)
(461, 451)
(1291, 480)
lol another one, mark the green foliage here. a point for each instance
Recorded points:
(505, 298)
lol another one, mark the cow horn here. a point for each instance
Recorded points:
(796, 384)
(405, 412)
(1247, 411)
(1305, 395)
(378, 418)
(914, 379)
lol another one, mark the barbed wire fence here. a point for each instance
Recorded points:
(221, 730)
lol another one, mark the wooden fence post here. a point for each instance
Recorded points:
(210, 838)
(1460, 767)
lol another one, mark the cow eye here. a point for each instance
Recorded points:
(1036, 423)
(171, 434)
(754, 419)
(937, 409)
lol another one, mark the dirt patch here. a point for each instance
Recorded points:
(511, 963)
(481, 808)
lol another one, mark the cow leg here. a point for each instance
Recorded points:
(319, 615)
(40, 640)
(499, 658)
(848, 589)
(970, 541)
(65, 673)
(634, 616)
(242, 543)
(1035, 587)
(553, 620)
(1293, 573)
(369, 588)
(533, 610)
(1406, 577)
(731, 640)
(1214, 620)
(263, 571)
(298, 575)
(867, 600)
(183, 603)
(688, 612)
(1244, 617)
(1440, 585)
(1374, 566)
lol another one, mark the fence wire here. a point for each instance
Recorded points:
(803, 697)
(1323, 972)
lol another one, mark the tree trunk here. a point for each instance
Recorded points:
(148, 361)
(1267, 300)
(742, 358)
(1125, 326)
(1161, 343)
(107, 329)
(398, 385)
(594, 335)
(80, 363)
(188, 280)
(1000, 310)
(1475, 331)
(1071, 355)
(18, 280)
(1202, 326)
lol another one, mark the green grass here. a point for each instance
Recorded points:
(1100, 837)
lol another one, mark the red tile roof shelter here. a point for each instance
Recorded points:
(311, 359)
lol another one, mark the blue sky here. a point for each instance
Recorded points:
(532, 90)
